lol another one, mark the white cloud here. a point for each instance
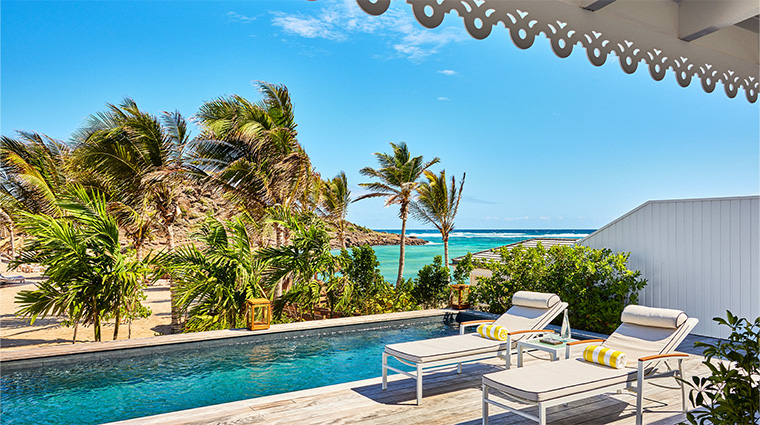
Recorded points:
(236, 17)
(447, 72)
(443, 98)
(309, 27)
(545, 218)
(338, 20)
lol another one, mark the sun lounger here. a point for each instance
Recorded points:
(529, 314)
(12, 279)
(648, 336)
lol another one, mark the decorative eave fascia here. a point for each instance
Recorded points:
(567, 25)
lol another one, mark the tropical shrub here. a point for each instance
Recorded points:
(370, 292)
(90, 279)
(461, 274)
(360, 266)
(306, 261)
(216, 278)
(431, 288)
(595, 282)
(731, 394)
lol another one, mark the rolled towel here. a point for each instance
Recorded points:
(605, 356)
(495, 332)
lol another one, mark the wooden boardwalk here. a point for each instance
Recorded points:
(448, 399)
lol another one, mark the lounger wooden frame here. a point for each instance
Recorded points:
(506, 354)
(646, 369)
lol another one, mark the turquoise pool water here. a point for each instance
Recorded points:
(93, 393)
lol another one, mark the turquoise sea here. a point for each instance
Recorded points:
(460, 243)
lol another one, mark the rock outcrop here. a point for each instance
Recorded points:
(361, 236)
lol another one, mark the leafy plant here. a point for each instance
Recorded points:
(90, 279)
(595, 282)
(463, 269)
(215, 279)
(367, 292)
(431, 288)
(731, 394)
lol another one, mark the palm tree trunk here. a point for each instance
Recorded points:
(96, 320)
(446, 255)
(76, 327)
(446, 251)
(116, 326)
(400, 276)
(278, 243)
(9, 222)
(176, 326)
(13, 240)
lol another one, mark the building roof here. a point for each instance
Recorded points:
(707, 40)
(493, 253)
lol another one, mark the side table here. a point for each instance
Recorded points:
(536, 344)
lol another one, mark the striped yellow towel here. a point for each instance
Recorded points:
(493, 332)
(605, 356)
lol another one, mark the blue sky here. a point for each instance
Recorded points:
(545, 142)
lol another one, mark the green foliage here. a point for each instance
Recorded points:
(595, 282)
(461, 273)
(370, 293)
(731, 394)
(306, 260)
(215, 279)
(431, 288)
(361, 268)
(89, 278)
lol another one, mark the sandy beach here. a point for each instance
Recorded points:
(17, 333)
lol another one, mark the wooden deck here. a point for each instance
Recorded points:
(448, 399)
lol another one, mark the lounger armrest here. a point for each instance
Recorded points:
(464, 325)
(570, 345)
(532, 331)
(662, 356)
(584, 341)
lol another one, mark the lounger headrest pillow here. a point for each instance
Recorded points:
(534, 299)
(651, 316)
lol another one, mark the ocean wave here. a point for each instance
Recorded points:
(423, 234)
(488, 235)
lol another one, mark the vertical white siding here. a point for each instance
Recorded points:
(698, 255)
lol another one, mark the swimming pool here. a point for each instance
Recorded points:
(118, 389)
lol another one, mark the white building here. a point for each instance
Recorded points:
(699, 255)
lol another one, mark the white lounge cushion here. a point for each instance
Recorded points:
(651, 316)
(448, 347)
(638, 341)
(534, 299)
(519, 318)
(547, 381)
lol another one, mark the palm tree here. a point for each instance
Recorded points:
(306, 259)
(398, 174)
(89, 278)
(216, 278)
(437, 204)
(251, 151)
(34, 171)
(336, 197)
(139, 159)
